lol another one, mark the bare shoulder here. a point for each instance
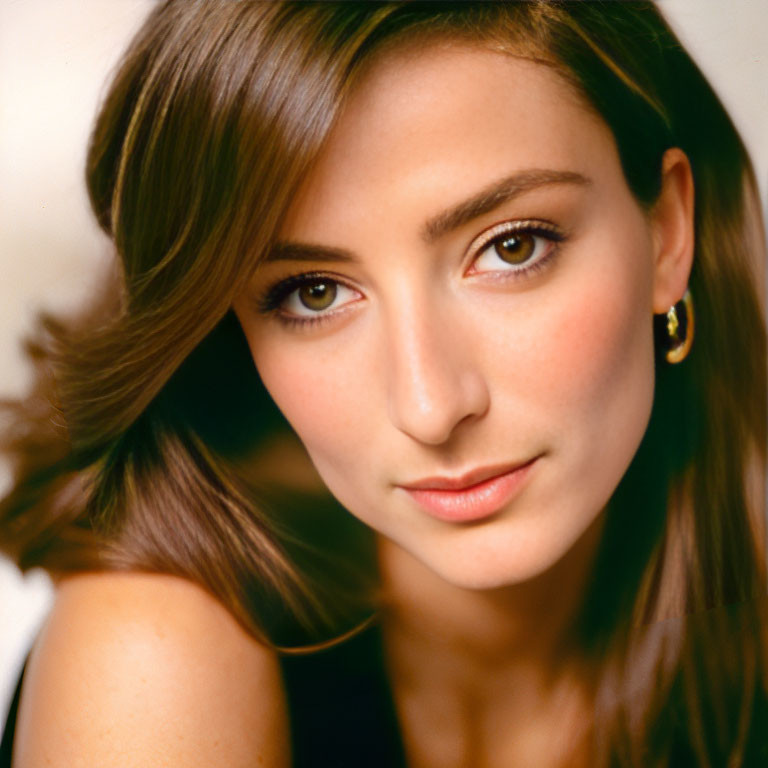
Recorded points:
(148, 670)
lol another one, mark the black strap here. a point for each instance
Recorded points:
(341, 709)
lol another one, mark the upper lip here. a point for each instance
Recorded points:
(465, 480)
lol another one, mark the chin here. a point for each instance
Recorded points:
(489, 558)
(481, 576)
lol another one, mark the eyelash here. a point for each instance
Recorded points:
(275, 295)
(500, 232)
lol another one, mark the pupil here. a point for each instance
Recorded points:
(515, 249)
(317, 295)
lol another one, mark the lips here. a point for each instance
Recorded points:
(474, 495)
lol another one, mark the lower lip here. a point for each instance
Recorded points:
(474, 503)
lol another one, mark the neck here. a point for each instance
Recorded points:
(488, 678)
(521, 626)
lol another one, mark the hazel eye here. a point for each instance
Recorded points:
(517, 248)
(514, 248)
(316, 296)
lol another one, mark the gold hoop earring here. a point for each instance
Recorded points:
(680, 325)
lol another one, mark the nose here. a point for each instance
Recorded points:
(434, 382)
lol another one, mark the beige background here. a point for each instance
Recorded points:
(54, 58)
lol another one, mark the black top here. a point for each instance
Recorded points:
(340, 708)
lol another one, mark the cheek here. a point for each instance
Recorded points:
(601, 342)
(580, 384)
(597, 364)
(318, 396)
(330, 409)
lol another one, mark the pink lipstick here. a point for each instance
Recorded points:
(472, 496)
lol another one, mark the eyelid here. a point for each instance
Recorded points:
(271, 299)
(293, 306)
(534, 226)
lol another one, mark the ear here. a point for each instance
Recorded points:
(672, 227)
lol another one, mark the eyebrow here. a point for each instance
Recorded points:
(486, 200)
(494, 195)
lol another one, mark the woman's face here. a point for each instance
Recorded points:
(457, 320)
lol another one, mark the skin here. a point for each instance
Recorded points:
(431, 363)
(143, 670)
(435, 365)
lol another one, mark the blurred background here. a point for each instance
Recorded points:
(55, 59)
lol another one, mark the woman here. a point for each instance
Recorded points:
(455, 245)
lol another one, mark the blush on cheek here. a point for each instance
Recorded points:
(285, 382)
(296, 394)
(315, 402)
(598, 352)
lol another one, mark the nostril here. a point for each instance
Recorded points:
(434, 380)
(430, 409)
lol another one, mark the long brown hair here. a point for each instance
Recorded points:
(140, 445)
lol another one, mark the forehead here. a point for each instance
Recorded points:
(442, 121)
